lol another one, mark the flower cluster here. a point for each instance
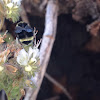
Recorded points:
(9, 9)
(12, 10)
(29, 59)
(21, 70)
(19, 65)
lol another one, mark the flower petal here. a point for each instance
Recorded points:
(35, 52)
(30, 52)
(10, 5)
(22, 57)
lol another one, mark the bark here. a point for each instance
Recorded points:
(48, 40)
(46, 46)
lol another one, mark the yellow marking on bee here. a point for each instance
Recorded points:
(27, 39)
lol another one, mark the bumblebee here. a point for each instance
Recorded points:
(24, 33)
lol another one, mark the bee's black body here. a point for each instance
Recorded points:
(24, 33)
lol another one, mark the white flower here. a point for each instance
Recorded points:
(22, 57)
(26, 58)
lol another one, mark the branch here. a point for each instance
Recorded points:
(28, 93)
(48, 40)
(54, 98)
(42, 6)
(58, 85)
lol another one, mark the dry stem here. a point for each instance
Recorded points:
(58, 85)
(48, 40)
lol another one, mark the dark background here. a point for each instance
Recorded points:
(72, 64)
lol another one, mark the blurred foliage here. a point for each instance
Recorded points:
(8, 10)
(11, 83)
(9, 38)
(14, 77)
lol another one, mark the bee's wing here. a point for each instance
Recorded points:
(18, 29)
(28, 28)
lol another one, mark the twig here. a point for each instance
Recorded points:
(28, 93)
(58, 85)
(54, 98)
(42, 6)
(48, 40)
